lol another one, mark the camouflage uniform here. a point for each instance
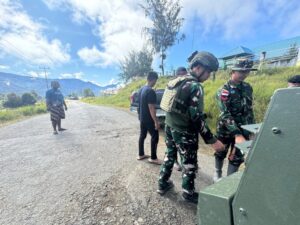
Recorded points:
(182, 135)
(235, 103)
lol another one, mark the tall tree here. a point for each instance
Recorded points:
(164, 15)
(136, 64)
(88, 93)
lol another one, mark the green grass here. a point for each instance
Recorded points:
(122, 99)
(264, 84)
(7, 115)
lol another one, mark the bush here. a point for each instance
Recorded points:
(88, 93)
(12, 101)
(28, 99)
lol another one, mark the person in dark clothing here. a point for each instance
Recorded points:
(148, 120)
(55, 105)
(181, 71)
(294, 81)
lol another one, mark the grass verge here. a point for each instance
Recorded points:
(9, 115)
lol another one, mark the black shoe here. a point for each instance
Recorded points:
(191, 197)
(61, 129)
(167, 187)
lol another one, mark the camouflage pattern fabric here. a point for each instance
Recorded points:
(193, 120)
(182, 136)
(186, 144)
(235, 103)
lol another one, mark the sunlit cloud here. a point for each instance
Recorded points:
(118, 24)
(23, 38)
(77, 75)
(4, 67)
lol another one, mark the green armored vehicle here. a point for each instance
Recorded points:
(267, 192)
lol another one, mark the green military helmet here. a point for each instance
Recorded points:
(243, 64)
(205, 59)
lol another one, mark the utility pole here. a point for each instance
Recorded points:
(45, 71)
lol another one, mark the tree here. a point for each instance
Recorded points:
(12, 101)
(88, 93)
(136, 64)
(164, 15)
(28, 99)
(35, 95)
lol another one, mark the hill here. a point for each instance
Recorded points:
(264, 84)
(20, 84)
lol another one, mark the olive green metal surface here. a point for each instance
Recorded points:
(245, 146)
(214, 205)
(253, 128)
(269, 190)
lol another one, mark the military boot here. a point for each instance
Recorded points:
(193, 197)
(218, 172)
(232, 169)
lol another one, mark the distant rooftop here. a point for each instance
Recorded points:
(239, 51)
(275, 49)
(278, 48)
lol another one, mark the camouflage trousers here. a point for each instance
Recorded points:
(186, 144)
(237, 155)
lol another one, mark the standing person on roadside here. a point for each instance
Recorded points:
(148, 120)
(183, 102)
(55, 104)
(235, 102)
(294, 81)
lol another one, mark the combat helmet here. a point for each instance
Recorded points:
(205, 59)
(242, 64)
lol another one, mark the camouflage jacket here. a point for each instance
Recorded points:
(193, 119)
(235, 104)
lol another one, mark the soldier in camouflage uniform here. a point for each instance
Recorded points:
(185, 122)
(235, 103)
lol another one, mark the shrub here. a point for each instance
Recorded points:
(12, 101)
(28, 99)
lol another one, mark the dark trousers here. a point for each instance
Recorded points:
(229, 143)
(145, 127)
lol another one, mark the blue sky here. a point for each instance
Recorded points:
(87, 39)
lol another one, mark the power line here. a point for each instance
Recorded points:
(21, 54)
(45, 71)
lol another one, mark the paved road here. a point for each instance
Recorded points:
(69, 178)
(38, 169)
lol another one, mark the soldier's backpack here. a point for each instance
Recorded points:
(170, 101)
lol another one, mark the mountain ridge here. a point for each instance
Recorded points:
(13, 83)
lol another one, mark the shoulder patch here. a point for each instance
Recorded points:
(224, 94)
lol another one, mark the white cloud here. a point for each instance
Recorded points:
(234, 19)
(4, 67)
(113, 81)
(23, 38)
(77, 75)
(35, 74)
(91, 56)
(118, 24)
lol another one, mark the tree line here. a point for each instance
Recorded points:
(12, 100)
